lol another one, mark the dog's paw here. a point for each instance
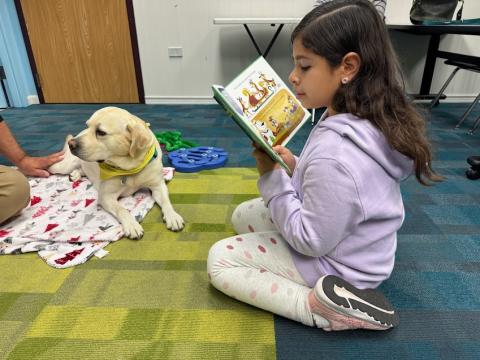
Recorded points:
(132, 230)
(75, 175)
(173, 221)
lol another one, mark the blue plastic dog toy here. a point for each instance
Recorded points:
(198, 158)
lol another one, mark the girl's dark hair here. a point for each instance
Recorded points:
(377, 92)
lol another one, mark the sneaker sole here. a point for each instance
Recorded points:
(368, 304)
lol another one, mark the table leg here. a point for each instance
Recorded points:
(265, 53)
(253, 39)
(280, 27)
(429, 65)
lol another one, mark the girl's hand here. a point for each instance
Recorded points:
(266, 164)
(286, 156)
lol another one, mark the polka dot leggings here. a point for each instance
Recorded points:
(256, 267)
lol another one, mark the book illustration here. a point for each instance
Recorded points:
(267, 134)
(270, 82)
(276, 120)
(253, 91)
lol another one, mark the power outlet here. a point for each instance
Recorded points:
(175, 51)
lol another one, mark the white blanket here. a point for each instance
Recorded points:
(64, 223)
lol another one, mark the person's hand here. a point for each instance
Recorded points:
(36, 166)
(266, 164)
(287, 156)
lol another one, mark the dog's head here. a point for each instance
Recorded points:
(115, 136)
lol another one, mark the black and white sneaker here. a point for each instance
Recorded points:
(346, 307)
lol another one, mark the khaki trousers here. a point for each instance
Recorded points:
(14, 192)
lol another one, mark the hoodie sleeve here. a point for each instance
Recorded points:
(328, 212)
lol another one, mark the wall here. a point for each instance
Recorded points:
(216, 53)
(13, 55)
(211, 53)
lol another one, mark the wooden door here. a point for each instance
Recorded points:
(82, 50)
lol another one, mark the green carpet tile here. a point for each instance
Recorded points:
(147, 299)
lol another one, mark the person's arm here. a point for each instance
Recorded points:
(33, 166)
(380, 5)
(320, 2)
(8, 145)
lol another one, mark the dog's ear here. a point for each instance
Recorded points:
(141, 138)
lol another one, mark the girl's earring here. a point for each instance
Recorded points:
(344, 80)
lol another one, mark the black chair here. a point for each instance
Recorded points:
(474, 172)
(475, 67)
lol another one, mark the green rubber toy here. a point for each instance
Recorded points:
(172, 140)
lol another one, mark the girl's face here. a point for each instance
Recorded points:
(314, 81)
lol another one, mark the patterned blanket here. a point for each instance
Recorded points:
(64, 223)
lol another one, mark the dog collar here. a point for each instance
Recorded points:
(109, 171)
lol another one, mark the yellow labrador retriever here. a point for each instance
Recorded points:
(119, 154)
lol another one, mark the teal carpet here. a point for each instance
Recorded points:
(435, 284)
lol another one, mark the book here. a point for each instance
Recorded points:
(263, 107)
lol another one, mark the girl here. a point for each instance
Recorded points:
(314, 247)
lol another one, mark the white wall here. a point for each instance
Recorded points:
(216, 53)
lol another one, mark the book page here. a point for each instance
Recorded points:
(235, 105)
(266, 102)
(252, 132)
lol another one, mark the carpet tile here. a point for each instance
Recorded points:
(150, 299)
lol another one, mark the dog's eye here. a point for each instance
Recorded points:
(100, 132)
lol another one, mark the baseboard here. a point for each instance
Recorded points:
(32, 100)
(460, 98)
(179, 100)
(457, 98)
(205, 100)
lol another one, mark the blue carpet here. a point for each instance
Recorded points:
(41, 129)
(435, 284)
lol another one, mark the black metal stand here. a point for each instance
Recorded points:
(4, 89)
(265, 53)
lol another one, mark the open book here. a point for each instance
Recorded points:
(263, 106)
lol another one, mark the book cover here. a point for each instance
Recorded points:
(263, 106)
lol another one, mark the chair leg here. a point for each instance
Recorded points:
(475, 126)
(435, 101)
(469, 110)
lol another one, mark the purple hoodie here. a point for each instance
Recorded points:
(342, 207)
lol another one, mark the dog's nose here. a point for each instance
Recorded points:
(72, 144)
